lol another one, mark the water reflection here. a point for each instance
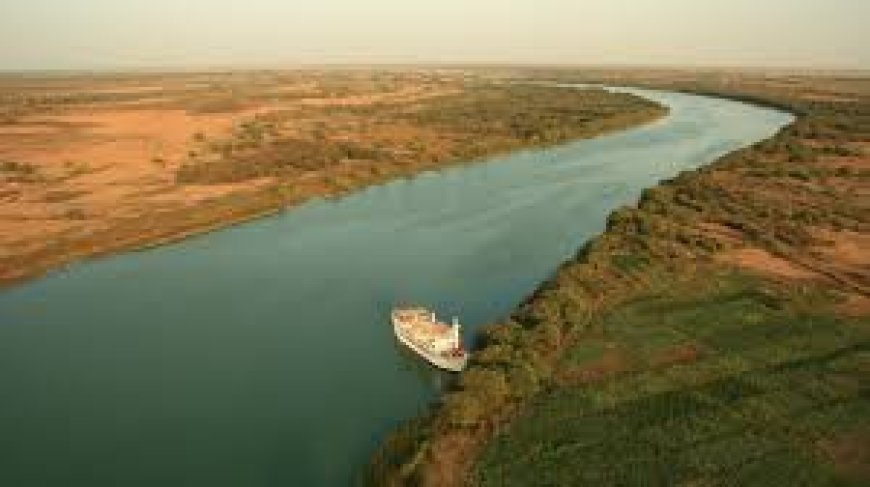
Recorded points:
(429, 375)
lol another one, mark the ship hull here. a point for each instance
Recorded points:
(452, 364)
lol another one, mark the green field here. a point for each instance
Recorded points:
(718, 381)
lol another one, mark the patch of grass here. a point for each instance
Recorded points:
(630, 262)
(59, 196)
(76, 168)
(20, 172)
(774, 380)
(17, 167)
(75, 214)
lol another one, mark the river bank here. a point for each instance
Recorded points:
(714, 332)
(87, 177)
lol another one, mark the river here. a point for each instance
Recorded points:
(261, 355)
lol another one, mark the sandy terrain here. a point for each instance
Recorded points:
(103, 152)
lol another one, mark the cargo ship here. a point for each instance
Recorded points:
(439, 343)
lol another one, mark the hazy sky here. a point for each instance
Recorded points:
(37, 34)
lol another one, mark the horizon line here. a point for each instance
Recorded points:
(239, 67)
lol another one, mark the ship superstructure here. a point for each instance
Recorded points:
(437, 342)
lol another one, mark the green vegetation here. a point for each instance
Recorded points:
(480, 121)
(538, 115)
(253, 153)
(19, 172)
(715, 381)
(648, 360)
(17, 167)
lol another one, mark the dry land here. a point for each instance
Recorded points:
(718, 333)
(97, 164)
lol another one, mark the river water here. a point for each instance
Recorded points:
(261, 355)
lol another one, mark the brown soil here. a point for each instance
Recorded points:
(829, 97)
(855, 305)
(103, 163)
(406, 95)
(721, 233)
(763, 262)
(842, 256)
(845, 248)
(448, 453)
(850, 454)
(678, 354)
(611, 363)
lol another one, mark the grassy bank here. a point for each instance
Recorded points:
(716, 334)
(720, 379)
(350, 137)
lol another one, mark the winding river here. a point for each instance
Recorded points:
(261, 355)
